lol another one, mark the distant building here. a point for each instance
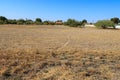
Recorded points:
(89, 25)
(117, 25)
(59, 22)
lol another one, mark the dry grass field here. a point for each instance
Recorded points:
(58, 53)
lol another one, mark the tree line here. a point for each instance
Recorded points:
(107, 23)
(38, 21)
(70, 22)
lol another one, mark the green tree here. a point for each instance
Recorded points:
(84, 21)
(29, 21)
(104, 24)
(46, 22)
(3, 20)
(59, 21)
(12, 21)
(38, 21)
(115, 20)
(21, 21)
(51, 22)
(73, 23)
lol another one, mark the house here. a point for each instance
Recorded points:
(89, 25)
(59, 22)
(117, 26)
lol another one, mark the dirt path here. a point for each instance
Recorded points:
(65, 44)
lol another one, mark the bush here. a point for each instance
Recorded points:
(3, 20)
(29, 21)
(38, 21)
(51, 23)
(10, 21)
(21, 21)
(104, 24)
(73, 23)
(45, 22)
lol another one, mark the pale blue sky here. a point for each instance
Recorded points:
(92, 10)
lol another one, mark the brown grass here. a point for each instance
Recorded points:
(58, 53)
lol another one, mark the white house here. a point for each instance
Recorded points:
(89, 25)
(118, 25)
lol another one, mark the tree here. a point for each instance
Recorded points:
(21, 21)
(46, 22)
(29, 21)
(3, 20)
(84, 21)
(104, 24)
(51, 22)
(12, 21)
(38, 21)
(115, 20)
(73, 23)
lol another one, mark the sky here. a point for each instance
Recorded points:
(91, 10)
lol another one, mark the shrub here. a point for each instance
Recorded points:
(10, 21)
(45, 22)
(51, 22)
(73, 23)
(29, 21)
(104, 24)
(3, 20)
(38, 21)
(21, 21)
